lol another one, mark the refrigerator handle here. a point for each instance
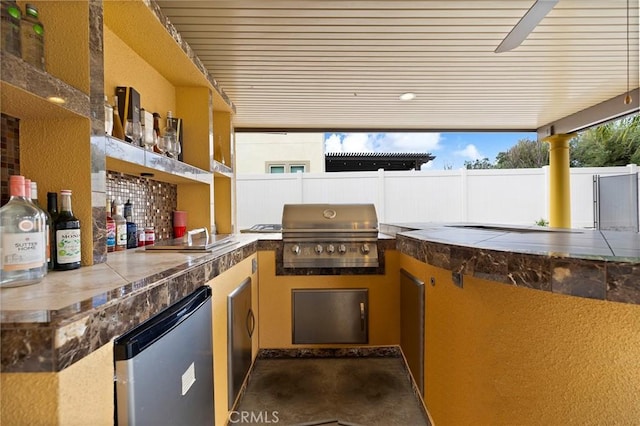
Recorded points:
(362, 316)
(251, 322)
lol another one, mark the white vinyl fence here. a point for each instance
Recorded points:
(511, 196)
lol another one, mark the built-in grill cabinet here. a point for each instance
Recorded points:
(330, 316)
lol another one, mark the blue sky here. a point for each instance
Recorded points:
(451, 149)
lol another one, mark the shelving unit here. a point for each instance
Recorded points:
(169, 78)
(62, 145)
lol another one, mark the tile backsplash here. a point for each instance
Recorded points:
(152, 202)
(10, 154)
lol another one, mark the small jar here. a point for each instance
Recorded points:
(141, 237)
(149, 236)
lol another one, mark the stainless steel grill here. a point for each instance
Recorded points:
(329, 235)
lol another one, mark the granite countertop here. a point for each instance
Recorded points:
(50, 325)
(602, 265)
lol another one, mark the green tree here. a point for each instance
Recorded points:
(479, 164)
(616, 143)
(524, 154)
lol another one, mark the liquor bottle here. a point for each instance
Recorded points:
(22, 239)
(159, 145)
(121, 225)
(111, 230)
(67, 226)
(52, 209)
(10, 28)
(32, 37)
(47, 221)
(118, 129)
(108, 116)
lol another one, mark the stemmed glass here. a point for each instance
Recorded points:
(174, 150)
(163, 145)
(133, 131)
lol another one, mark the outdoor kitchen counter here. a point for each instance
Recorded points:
(602, 265)
(48, 326)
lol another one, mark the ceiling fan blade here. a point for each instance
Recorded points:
(526, 24)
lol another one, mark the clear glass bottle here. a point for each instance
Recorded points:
(22, 239)
(121, 225)
(10, 16)
(52, 209)
(68, 243)
(32, 37)
(46, 217)
(108, 116)
(170, 136)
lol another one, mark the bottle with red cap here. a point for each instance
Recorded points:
(22, 238)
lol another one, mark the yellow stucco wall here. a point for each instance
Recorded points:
(221, 286)
(77, 396)
(275, 301)
(503, 355)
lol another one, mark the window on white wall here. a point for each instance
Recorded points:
(287, 167)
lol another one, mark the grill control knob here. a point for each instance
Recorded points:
(318, 249)
(365, 249)
(295, 249)
(342, 249)
(330, 248)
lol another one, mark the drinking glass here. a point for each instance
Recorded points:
(133, 131)
(174, 149)
(163, 144)
(149, 139)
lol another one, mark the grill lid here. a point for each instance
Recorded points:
(329, 218)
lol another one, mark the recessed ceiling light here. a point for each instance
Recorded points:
(56, 100)
(407, 96)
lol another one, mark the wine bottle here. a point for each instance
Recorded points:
(46, 217)
(118, 129)
(111, 230)
(121, 225)
(68, 244)
(32, 37)
(22, 238)
(52, 209)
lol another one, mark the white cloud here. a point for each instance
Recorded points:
(470, 151)
(357, 142)
(333, 143)
(383, 142)
(409, 142)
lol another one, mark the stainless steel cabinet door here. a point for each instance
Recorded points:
(240, 326)
(330, 316)
(412, 318)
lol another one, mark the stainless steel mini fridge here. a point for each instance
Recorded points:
(164, 367)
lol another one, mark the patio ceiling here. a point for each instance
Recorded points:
(341, 65)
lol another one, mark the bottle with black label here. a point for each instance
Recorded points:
(68, 246)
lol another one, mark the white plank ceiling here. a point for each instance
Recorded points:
(341, 65)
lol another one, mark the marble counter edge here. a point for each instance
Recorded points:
(52, 340)
(608, 279)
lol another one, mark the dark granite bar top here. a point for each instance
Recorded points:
(602, 265)
(48, 326)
